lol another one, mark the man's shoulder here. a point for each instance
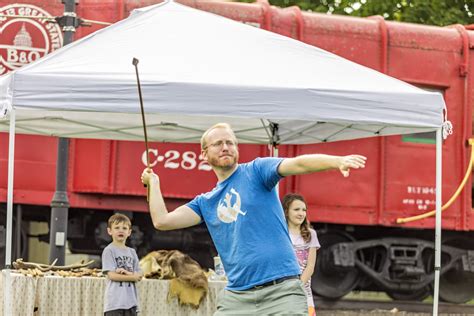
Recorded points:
(251, 163)
(208, 194)
(257, 160)
(263, 160)
(260, 163)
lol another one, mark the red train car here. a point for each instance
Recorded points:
(356, 218)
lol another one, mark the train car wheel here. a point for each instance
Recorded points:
(456, 285)
(329, 281)
(418, 295)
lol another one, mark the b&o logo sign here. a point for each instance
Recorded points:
(23, 39)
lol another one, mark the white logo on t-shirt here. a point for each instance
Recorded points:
(227, 212)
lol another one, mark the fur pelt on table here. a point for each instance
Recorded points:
(188, 280)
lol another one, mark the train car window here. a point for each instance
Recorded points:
(421, 138)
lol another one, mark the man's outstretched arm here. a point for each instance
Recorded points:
(181, 217)
(318, 162)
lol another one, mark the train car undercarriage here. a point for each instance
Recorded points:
(399, 262)
(403, 267)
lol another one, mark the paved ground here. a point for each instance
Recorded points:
(377, 303)
(377, 313)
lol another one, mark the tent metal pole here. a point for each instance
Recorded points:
(437, 266)
(8, 249)
(275, 137)
(275, 154)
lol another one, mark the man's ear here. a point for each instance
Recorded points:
(109, 231)
(204, 154)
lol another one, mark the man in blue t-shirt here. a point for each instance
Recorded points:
(246, 221)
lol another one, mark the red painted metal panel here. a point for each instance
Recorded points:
(90, 171)
(333, 198)
(351, 38)
(35, 166)
(399, 177)
(183, 172)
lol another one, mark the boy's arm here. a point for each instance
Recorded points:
(136, 266)
(181, 217)
(108, 262)
(138, 275)
(118, 277)
(318, 162)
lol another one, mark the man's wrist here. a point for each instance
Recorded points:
(340, 162)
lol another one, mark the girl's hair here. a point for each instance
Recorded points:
(304, 227)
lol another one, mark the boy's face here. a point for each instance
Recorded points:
(119, 231)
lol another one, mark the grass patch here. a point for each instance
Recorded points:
(381, 296)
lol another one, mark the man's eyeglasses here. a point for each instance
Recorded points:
(220, 143)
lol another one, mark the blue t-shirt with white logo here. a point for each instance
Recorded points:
(246, 221)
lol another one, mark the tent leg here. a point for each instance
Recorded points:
(8, 249)
(437, 266)
(11, 158)
(274, 139)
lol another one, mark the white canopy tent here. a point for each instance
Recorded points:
(197, 69)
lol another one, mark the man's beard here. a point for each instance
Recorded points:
(224, 165)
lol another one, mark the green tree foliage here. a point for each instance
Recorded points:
(434, 12)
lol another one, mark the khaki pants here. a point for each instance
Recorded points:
(286, 298)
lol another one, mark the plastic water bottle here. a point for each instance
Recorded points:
(219, 267)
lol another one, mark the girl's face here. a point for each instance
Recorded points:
(297, 212)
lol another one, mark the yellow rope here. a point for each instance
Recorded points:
(451, 200)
